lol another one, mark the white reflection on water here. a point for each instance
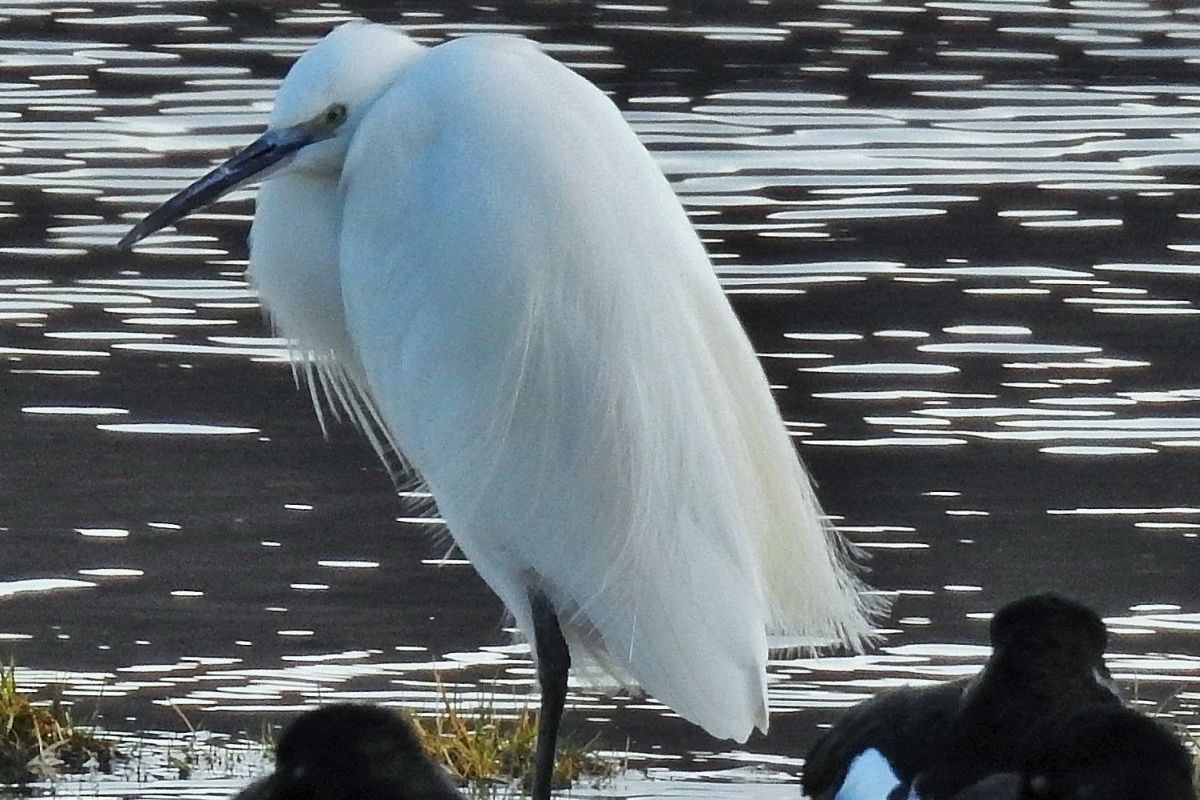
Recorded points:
(103, 533)
(1007, 348)
(886, 369)
(10, 588)
(254, 353)
(176, 429)
(112, 572)
(74, 411)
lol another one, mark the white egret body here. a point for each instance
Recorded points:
(481, 257)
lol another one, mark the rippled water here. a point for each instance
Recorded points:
(963, 236)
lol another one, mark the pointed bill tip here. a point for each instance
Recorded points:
(263, 153)
(134, 236)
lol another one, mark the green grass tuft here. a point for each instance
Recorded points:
(480, 745)
(39, 742)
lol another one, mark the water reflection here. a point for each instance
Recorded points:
(962, 236)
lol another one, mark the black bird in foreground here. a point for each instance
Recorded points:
(1047, 660)
(1101, 753)
(351, 752)
(1096, 753)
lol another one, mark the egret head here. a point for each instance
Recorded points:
(317, 108)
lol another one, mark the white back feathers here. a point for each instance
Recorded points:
(476, 257)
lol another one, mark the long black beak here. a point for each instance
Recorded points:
(264, 152)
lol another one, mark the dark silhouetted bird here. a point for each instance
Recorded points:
(1047, 660)
(1104, 753)
(351, 752)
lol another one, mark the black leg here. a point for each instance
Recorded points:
(553, 660)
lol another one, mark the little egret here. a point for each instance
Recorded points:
(476, 259)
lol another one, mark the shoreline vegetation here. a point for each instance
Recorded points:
(480, 745)
(40, 740)
(483, 747)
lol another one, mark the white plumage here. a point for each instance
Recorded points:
(869, 777)
(485, 260)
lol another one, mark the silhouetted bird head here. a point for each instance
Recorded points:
(351, 752)
(1046, 635)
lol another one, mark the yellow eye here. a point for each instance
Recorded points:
(335, 114)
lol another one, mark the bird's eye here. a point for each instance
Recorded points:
(335, 114)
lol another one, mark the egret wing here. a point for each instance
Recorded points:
(542, 333)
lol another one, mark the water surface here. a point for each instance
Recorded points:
(962, 235)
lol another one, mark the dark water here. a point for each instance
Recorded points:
(963, 236)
